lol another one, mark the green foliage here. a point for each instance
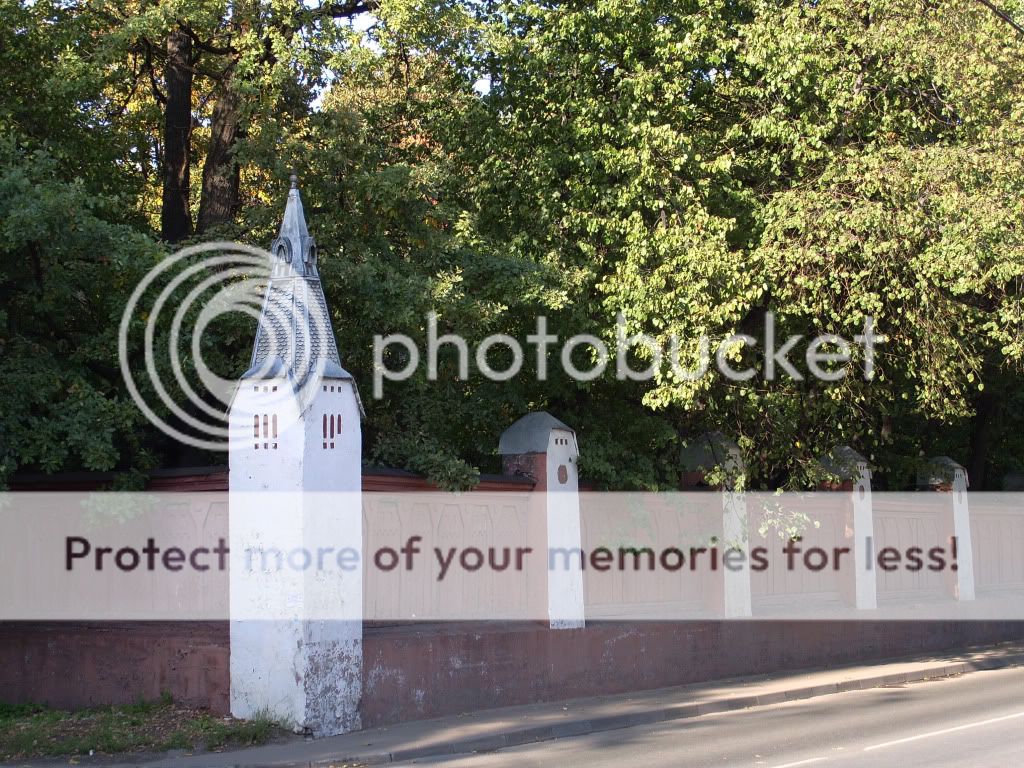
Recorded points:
(691, 165)
(66, 272)
(34, 731)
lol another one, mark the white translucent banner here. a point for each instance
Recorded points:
(396, 557)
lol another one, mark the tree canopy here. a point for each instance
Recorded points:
(698, 167)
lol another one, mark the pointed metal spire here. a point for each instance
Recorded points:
(295, 338)
(294, 250)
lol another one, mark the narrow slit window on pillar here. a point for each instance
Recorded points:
(332, 428)
(269, 423)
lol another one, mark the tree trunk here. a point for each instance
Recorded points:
(984, 430)
(218, 203)
(175, 218)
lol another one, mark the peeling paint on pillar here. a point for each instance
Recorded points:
(296, 634)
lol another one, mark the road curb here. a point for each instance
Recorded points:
(670, 712)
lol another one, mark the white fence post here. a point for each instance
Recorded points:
(714, 451)
(542, 447)
(947, 476)
(861, 585)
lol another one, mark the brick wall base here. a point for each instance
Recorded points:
(420, 671)
(74, 665)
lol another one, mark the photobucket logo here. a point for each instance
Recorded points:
(174, 306)
(828, 357)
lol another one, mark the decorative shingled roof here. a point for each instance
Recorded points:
(940, 470)
(530, 434)
(845, 463)
(709, 451)
(294, 338)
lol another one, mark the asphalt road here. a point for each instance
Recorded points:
(976, 720)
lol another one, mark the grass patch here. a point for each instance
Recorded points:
(31, 730)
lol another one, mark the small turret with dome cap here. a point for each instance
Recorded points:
(295, 338)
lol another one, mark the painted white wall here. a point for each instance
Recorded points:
(334, 647)
(296, 634)
(265, 656)
(565, 587)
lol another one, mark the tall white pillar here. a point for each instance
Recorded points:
(294, 492)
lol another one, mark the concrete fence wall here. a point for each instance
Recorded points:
(997, 531)
(429, 667)
(901, 524)
(485, 521)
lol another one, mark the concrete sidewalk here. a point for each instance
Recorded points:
(494, 729)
